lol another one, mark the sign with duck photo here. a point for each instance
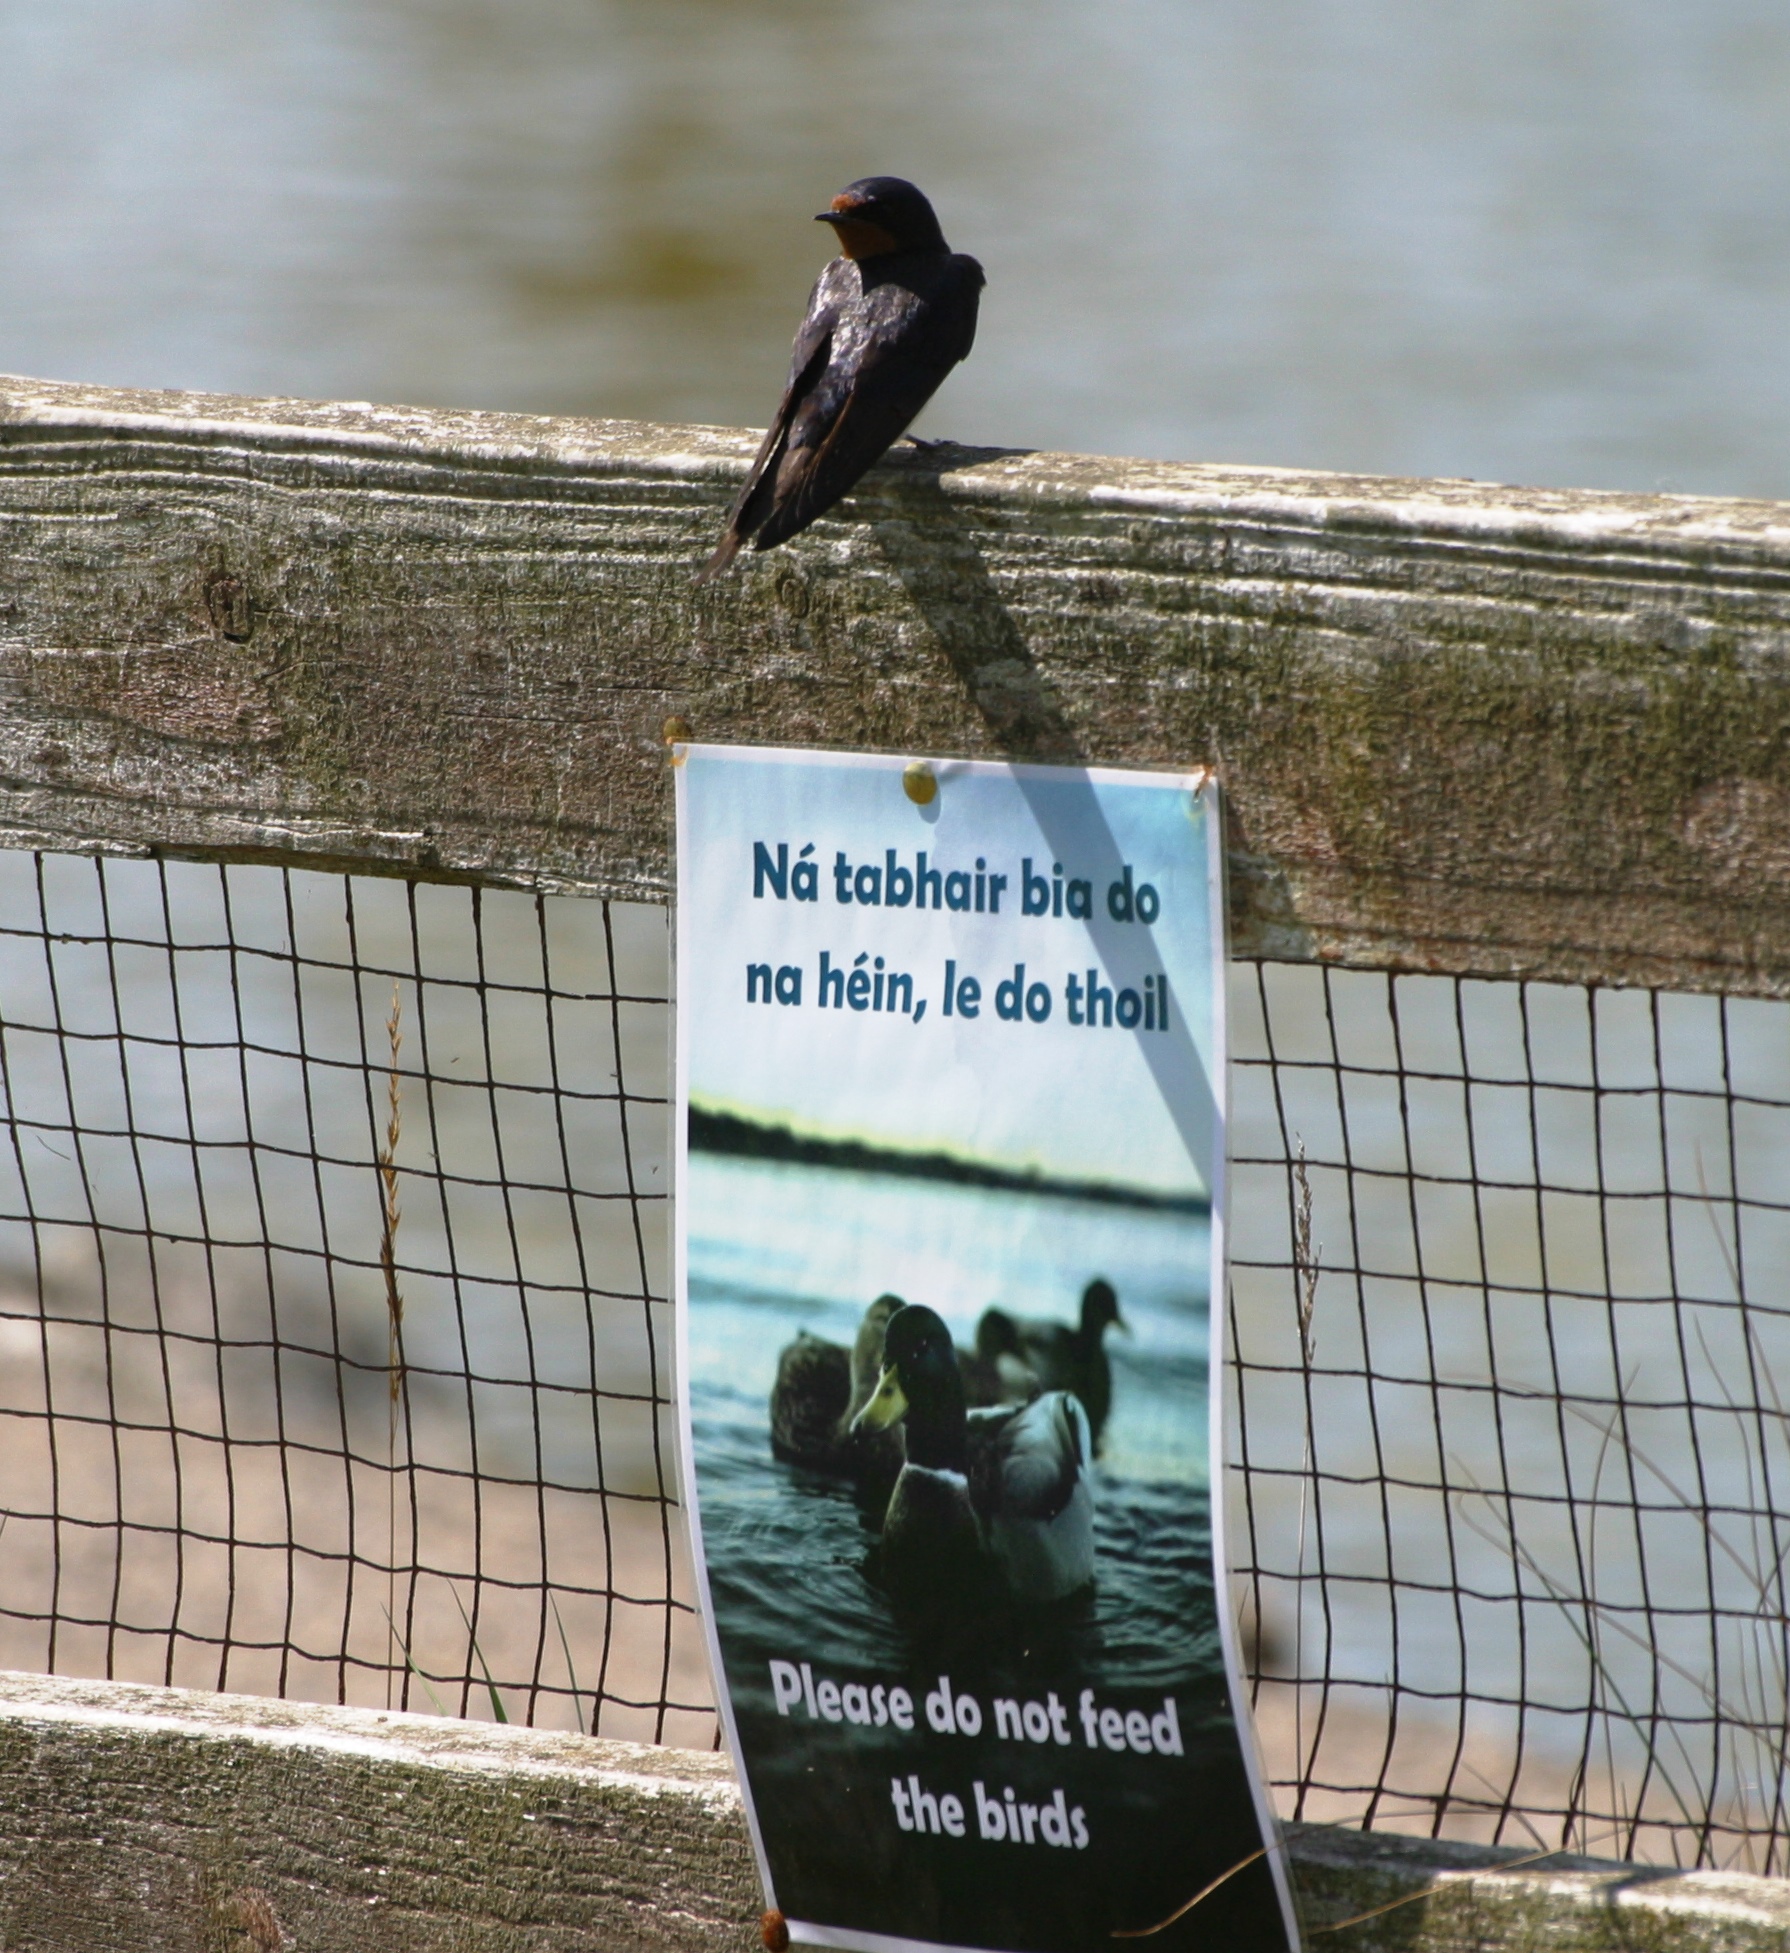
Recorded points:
(950, 1266)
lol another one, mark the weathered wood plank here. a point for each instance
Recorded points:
(1448, 1898)
(145, 1820)
(149, 1819)
(1464, 728)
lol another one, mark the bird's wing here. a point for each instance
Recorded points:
(808, 361)
(811, 1393)
(885, 364)
(1050, 1348)
(1044, 1451)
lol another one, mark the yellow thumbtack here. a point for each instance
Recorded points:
(919, 783)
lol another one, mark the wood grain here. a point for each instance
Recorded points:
(147, 1820)
(1464, 728)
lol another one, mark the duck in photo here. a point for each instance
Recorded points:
(996, 1371)
(1064, 1356)
(1006, 1492)
(821, 1387)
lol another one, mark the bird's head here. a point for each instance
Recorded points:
(1099, 1306)
(997, 1335)
(879, 214)
(919, 1370)
(867, 1351)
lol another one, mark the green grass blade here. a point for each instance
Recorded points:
(497, 1709)
(440, 1706)
(572, 1673)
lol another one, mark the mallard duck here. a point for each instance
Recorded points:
(821, 1387)
(995, 1371)
(1002, 1491)
(1060, 1356)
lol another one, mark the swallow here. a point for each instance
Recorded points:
(886, 321)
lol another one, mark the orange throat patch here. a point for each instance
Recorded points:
(859, 238)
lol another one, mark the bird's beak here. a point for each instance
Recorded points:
(832, 216)
(1119, 1322)
(888, 1406)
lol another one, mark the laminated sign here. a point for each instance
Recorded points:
(950, 1280)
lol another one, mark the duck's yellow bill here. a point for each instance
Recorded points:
(887, 1407)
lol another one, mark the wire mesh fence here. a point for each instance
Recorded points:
(332, 1275)
(1510, 1338)
(334, 1346)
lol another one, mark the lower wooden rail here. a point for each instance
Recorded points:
(144, 1819)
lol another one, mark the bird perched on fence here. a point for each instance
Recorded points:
(887, 320)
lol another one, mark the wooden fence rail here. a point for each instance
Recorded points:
(146, 1820)
(1464, 728)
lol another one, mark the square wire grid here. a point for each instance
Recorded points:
(333, 1330)
(299, 1398)
(1510, 1343)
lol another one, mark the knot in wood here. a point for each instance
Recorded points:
(227, 605)
(252, 1913)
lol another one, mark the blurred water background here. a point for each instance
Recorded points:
(1542, 241)
(1533, 242)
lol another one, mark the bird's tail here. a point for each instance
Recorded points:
(725, 551)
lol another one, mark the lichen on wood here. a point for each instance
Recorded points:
(1463, 728)
(152, 1820)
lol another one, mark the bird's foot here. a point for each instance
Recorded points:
(926, 447)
